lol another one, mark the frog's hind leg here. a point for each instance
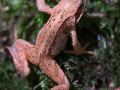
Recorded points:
(43, 7)
(17, 50)
(53, 71)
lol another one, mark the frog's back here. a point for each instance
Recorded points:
(62, 11)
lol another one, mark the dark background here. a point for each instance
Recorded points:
(99, 26)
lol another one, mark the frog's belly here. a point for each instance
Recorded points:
(59, 43)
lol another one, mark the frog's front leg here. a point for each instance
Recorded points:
(19, 52)
(42, 6)
(76, 45)
(54, 72)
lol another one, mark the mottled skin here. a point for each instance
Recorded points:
(50, 40)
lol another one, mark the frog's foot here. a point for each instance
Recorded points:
(78, 50)
(90, 52)
(17, 50)
(83, 51)
(43, 7)
(87, 52)
(73, 52)
(52, 69)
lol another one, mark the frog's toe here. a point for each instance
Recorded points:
(90, 53)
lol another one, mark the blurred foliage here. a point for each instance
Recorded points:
(99, 26)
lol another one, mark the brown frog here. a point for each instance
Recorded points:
(50, 41)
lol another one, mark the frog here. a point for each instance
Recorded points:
(51, 41)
